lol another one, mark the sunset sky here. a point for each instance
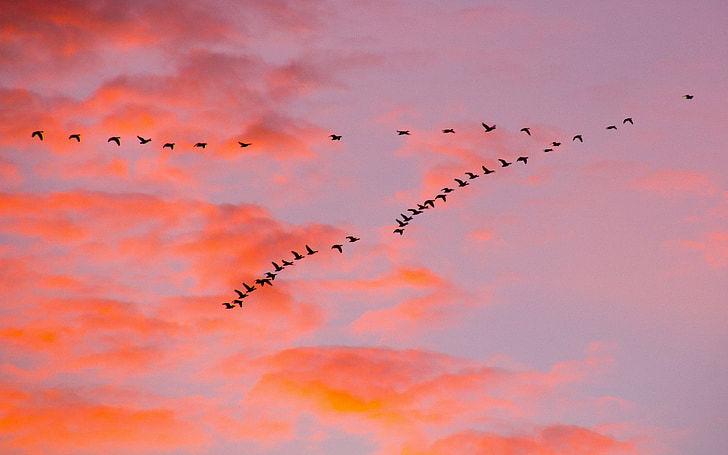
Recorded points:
(574, 305)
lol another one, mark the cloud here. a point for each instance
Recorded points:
(675, 182)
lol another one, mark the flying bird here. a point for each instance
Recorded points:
(352, 239)
(398, 231)
(310, 251)
(488, 129)
(447, 190)
(461, 183)
(548, 150)
(169, 145)
(263, 281)
(276, 267)
(556, 144)
(448, 130)
(429, 202)
(401, 223)
(523, 158)
(526, 130)
(422, 207)
(75, 136)
(244, 144)
(335, 137)
(486, 171)
(441, 196)
(415, 212)
(611, 127)
(338, 247)
(504, 163)
(239, 302)
(201, 145)
(403, 132)
(38, 133)
(248, 288)
(286, 263)
(578, 136)
(296, 256)
(405, 218)
(116, 139)
(228, 305)
(689, 97)
(240, 294)
(144, 141)
(270, 275)
(628, 119)
(472, 176)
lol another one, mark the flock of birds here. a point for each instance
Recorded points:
(268, 277)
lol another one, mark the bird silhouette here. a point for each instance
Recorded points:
(248, 288)
(448, 130)
(38, 133)
(441, 196)
(611, 127)
(447, 190)
(335, 137)
(688, 97)
(398, 231)
(461, 183)
(526, 130)
(228, 305)
(244, 144)
(270, 275)
(548, 150)
(116, 139)
(488, 129)
(504, 163)
(415, 211)
(310, 251)
(263, 281)
(144, 141)
(240, 293)
(276, 267)
(338, 247)
(201, 145)
(403, 132)
(555, 144)
(628, 119)
(239, 302)
(296, 256)
(405, 217)
(169, 145)
(286, 263)
(401, 223)
(486, 171)
(430, 202)
(524, 159)
(578, 136)
(422, 207)
(472, 176)
(352, 239)
(75, 136)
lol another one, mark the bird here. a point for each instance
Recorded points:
(448, 130)
(240, 294)
(38, 133)
(472, 176)
(401, 223)
(578, 136)
(441, 196)
(688, 97)
(486, 171)
(244, 144)
(504, 163)
(405, 218)
(399, 231)
(270, 275)
(523, 158)
(556, 144)
(116, 139)
(239, 302)
(352, 239)
(429, 202)
(447, 190)
(296, 256)
(276, 267)
(169, 145)
(488, 129)
(143, 141)
(201, 145)
(461, 183)
(611, 127)
(628, 119)
(263, 281)
(75, 136)
(228, 305)
(248, 288)
(422, 207)
(548, 150)
(526, 130)
(338, 247)
(335, 137)
(310, 251)
(403, 132)
(415, 212)
(286, 263)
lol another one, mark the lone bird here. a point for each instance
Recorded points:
(504, 163)
(447, 190)
(688, 97)
(523, 158)
(263, 281)
(403, 132)
(486, 171)
(335, 137)
(628, 119)
(116, 139)
(526, 130)
(578, 136)
(472, 176)
(461, 183)
(398, 231)
(548, 150)
(556, 144)
(228, 305)
(201, 145)
(338, 247)
(296, 256)
(448, 130)
(248, 288)
(276, 267)
(611, 127)
(244, 144)
(441, 196)
(352, 239)
(488, 129)
(169, 145)
(310, 251)
(144, 141)
(75, 136)
(38, 133)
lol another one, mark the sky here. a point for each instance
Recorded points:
(572, 305)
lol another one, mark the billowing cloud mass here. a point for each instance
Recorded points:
(571, 305)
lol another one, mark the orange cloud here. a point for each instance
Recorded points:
(674, 182)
